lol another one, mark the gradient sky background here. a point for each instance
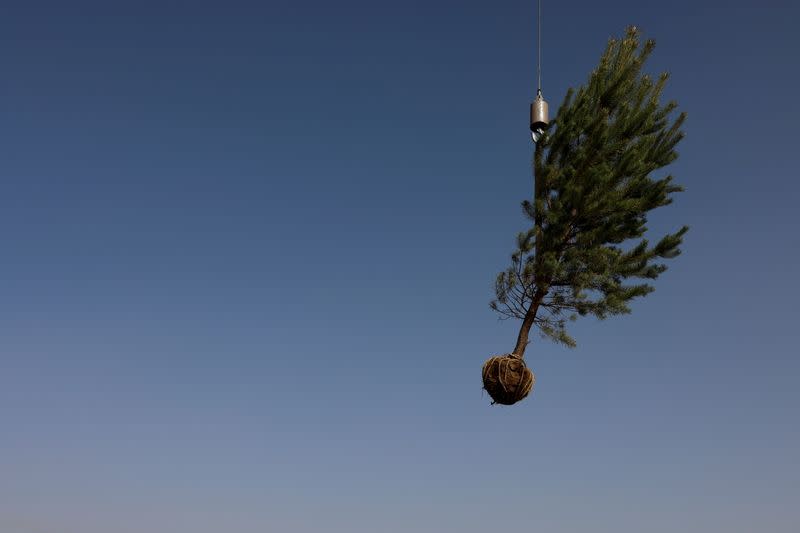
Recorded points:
(248, 247)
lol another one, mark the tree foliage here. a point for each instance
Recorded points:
(596, 181)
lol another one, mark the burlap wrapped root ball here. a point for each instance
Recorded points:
(507, 378)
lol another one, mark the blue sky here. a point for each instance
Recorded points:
(248, 249)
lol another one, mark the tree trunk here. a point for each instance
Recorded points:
(538, 192)
(527, 323)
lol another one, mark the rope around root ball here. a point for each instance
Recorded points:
(507, 379)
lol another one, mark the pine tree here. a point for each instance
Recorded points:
(595, 183)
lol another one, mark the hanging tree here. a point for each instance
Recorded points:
(595, 183)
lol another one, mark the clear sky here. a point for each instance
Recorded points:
(248, 249)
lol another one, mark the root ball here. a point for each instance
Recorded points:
(507, 378)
